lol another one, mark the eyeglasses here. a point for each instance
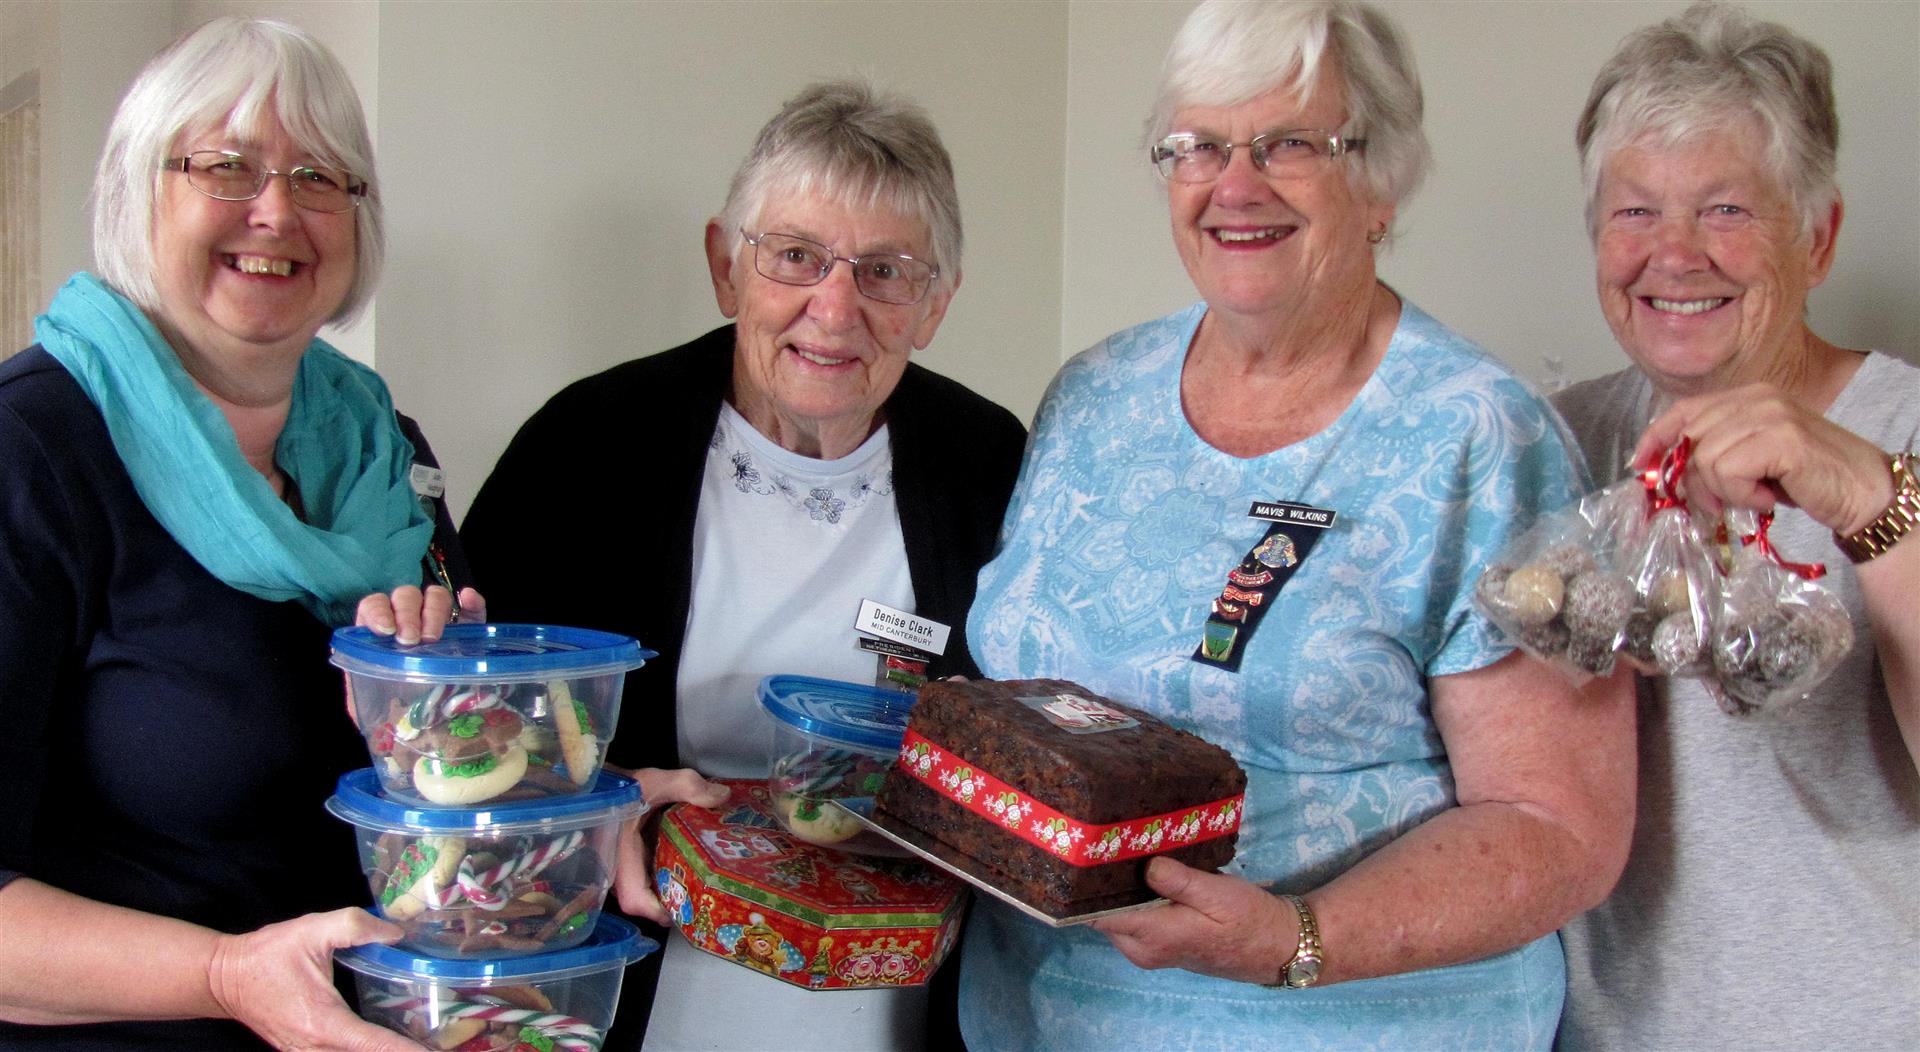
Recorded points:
(791, 260)
(1184, 157)
(235, 177)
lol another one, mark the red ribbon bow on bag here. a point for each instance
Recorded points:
(1663, 479)
(1758, 538)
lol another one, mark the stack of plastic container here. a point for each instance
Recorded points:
(489, 833)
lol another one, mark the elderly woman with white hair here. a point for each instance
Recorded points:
(789, 467)
(1425, 805)
(196, 492)
(1769, 899)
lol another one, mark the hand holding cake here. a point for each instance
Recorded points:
(1213, 924)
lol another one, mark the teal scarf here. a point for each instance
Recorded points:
(365, 530)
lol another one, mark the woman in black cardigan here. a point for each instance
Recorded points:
(773, 474)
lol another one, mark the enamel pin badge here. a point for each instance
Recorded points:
(1253, 585)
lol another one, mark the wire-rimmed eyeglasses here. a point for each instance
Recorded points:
(1185, 157)
(790, 260)
(226, 176)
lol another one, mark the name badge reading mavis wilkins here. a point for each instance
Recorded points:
(1253, 586)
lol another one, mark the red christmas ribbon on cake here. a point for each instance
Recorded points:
(1078, 843)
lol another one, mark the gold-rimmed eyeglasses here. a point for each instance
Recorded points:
(790, 260)
(226, 176)
(1185, 157)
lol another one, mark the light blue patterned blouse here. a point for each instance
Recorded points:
(1121, 532)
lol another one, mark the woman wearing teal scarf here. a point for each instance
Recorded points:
(194, 491)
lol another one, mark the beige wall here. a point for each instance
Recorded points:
(86, 54)
(88, 51)
(550, 170)
(548, 167)
(1494, 245)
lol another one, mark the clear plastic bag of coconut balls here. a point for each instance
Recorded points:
(1627, 572)
(1778, 632)
(1676, 591)
(1623, 572)
(1559, 590)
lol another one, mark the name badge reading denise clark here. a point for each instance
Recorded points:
(879, 619)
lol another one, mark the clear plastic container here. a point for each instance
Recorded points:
(832, 742)
(507, 880)
(563, 1001)
(488, 712)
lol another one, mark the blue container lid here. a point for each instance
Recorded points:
(614, 943)
(358, 799)
(494, 653)
(855, 714)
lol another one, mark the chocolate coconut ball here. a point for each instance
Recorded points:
(1597, 606)
(1591, 654)
(1547, 640)
(1567, 559)
(1639, 641)
(1676, 643)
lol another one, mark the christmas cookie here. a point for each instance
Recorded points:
(462, 781)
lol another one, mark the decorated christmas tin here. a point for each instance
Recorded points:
(739, 886)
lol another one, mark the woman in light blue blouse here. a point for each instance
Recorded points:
(1425, 805)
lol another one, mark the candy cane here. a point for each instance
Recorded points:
(479, 887)
(570, 1033)
(420, 715)
(471, 701)
(441, 897)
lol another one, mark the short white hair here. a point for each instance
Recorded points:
(1714, 67)
(232, 74)
(1233, 51)
(846, 142)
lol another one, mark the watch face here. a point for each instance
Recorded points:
(1304, 971)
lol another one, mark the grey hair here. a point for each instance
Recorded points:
(1232, 51)
(1715, 67)
(844, 141)
(232, 74)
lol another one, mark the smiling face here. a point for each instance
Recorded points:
(1702, 268)
(240, 281)
(1254, 245)
(813, 364)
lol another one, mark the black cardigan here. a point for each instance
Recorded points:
(588, 517)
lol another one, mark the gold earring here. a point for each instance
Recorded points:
(1377, 236)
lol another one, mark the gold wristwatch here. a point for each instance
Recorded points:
(1303, 968)
(1900, 518)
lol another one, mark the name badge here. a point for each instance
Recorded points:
(920, 633)
(428, 482)
(1254, 584)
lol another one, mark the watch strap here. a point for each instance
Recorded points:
(1901, 517)
(1302, 968)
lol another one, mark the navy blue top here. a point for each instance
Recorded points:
(167, 741)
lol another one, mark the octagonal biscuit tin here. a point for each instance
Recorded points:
(739, 886)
